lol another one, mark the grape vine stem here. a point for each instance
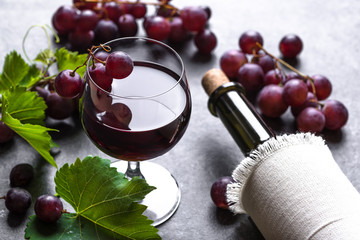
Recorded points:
(304, 76)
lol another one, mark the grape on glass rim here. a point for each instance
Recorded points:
(21, 175)
(248, 40)
(99, 75)
(119, 65)
(271, 102)
(290, 46)
(48, 208)
(17, 200)
(68, 84)
(310, 120)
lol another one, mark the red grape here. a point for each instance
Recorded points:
(336, 114)
(101, 55)
(119, 65)
(42, 92)
(271, 102)
(218, 191)
(64, 19)
(290, 46)
(273, 77)
(99, 75)
(310, 120)
(48, 208)
(58, 107)
(311, 101)
(265, 61)
(231, 61)
(194, 18)
(248, 40)
(251, 76)
(208, 11)
(6, 133)
(178, 33)
(21, 175)
(17, 200)
(127, 25)
(291, 75)
(322, 85)
(295, 92)
(81, 40)
(68, 84)
(112, 11)
(138, 10)
(205, 41)
(157, 27)
(87, 20)
(105, 31)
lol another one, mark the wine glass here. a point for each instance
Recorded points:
(141, 117)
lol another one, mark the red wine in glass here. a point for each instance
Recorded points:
(155, 126)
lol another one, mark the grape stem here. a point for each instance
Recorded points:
(162, 3)
(304, 76)
(3, 197)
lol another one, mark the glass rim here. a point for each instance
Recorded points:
(145, 39)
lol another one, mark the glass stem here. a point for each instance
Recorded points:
(133, 170)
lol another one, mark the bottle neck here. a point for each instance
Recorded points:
(228, 102)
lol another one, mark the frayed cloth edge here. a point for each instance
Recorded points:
(263, 151)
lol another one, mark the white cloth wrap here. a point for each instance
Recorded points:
(292, 188)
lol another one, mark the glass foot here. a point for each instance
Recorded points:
(165, 199)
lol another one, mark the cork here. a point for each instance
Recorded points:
(213, 79)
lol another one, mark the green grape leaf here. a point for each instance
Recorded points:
(104, 199)
(37, 136)
(70, 60)
(14, 70)
(32, 77)
(23, 112)
(45, 56)
(25, 106)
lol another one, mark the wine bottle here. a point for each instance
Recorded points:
(227, 101)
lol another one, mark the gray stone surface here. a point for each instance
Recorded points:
(329, 30)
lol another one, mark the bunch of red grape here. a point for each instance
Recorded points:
(278, 90)
(48, 208)
(89, 23)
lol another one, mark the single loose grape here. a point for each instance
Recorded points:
(21, 175)
(48, 208)
(17, 200)
(248, 40)
(218, 191)
(290, 46)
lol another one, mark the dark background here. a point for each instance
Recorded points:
(330, 32)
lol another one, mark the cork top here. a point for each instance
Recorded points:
(213, 79)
